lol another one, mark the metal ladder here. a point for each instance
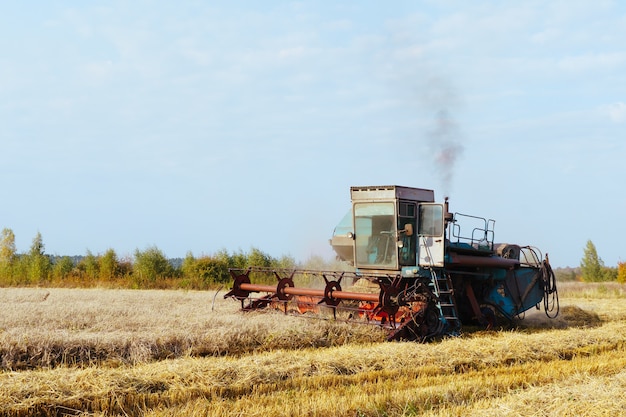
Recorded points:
(441, 285)
(442, 288)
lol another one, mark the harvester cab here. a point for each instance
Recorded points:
(412, 269)
(392, 228)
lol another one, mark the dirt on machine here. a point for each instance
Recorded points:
(411, 267)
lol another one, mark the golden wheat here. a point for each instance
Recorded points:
(344, 380)
(53, 327)
(288, 367)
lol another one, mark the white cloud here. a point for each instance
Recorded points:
(294, 52)
(546, 36)
(198, 55)
(595, 61)
(98, 71)
(617, 112)
(341, 25)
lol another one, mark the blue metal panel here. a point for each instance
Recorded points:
(518, 292)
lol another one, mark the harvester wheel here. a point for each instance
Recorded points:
(432, 323)
(488, 318)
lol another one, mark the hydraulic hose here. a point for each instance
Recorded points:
(550, 293)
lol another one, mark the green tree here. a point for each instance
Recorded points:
(212, 269)
(206, 271)
(259, 258)
(286, 262)
(238, 260)
(7, 253)
(7, 246)
(90, 267)
(151, 265)
(189, 271)
(38, 263)
(108, 265)
(62, 268)
(20, 270)
(223, 256)
(188, 266)
(609, 274)
(592, 266)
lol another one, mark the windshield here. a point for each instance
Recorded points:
(375, 235)
(345, 225)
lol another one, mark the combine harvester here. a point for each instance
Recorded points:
(410, 269)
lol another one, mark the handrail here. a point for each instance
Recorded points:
(480, 235)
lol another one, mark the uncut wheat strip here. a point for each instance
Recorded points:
(45, 349)
(131, 333)
(109, 318)
(101, 310)
(126, 312)
(134, 326)
(106, 310)
(186, 378)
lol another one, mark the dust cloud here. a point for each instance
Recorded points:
(569, 316)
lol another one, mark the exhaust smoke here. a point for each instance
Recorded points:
(446, 147)
(444, 137)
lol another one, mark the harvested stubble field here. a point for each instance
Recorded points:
(160, 353)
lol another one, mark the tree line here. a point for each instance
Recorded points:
(592, 268)
(148, 268)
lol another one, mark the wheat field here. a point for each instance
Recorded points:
(102, 352)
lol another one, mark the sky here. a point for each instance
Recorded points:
(199, 126)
